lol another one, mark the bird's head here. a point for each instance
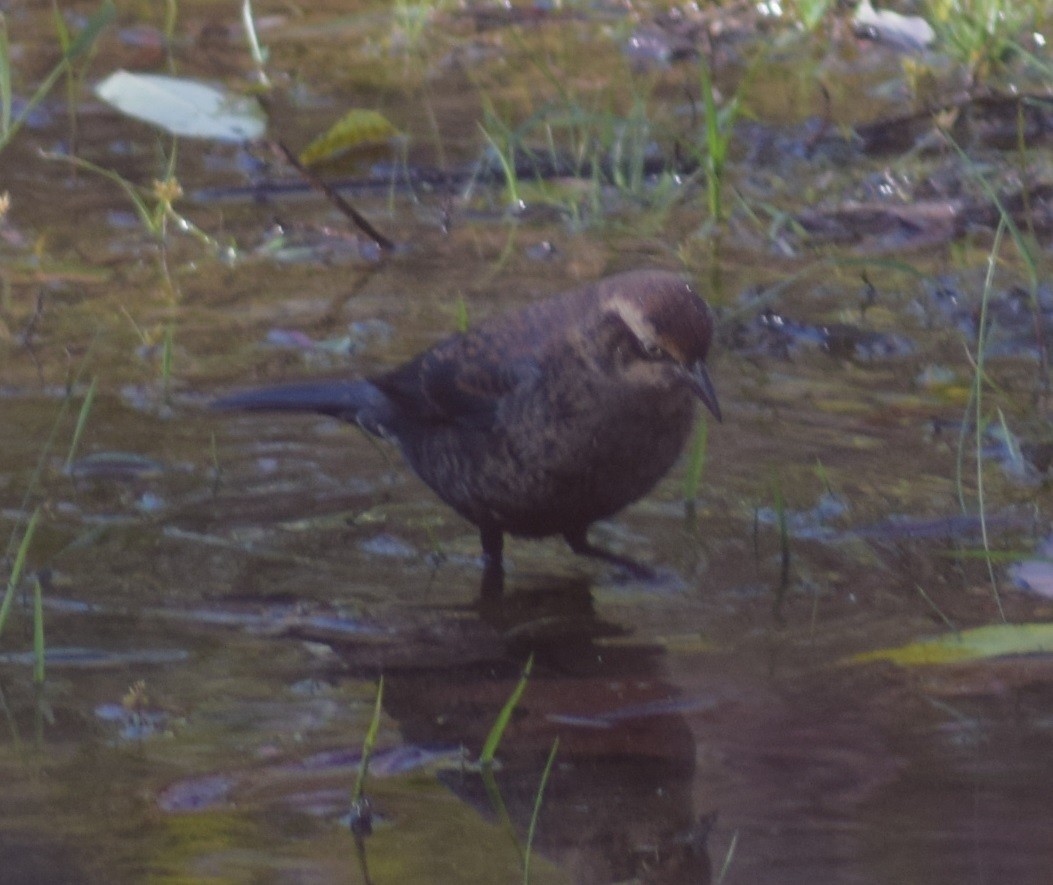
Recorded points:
(660, 330)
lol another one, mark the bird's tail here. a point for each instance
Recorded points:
(353, 401)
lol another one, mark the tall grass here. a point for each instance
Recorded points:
(974, 412)
(588, 138)
(979, 422)
(718, 125)
(21, 546)
(72, 50)
(980, 34)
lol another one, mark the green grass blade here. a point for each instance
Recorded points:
(506, 158)
(729, 856)
(16, 569)
(537, 810)
(367, 746)
(981, 353)
(939, 611)
(461, 321)
(38, 633)
(501, 723)
(141, 208)
(823, 477)
(696, 460)
(73, 81)
(99, 21)
(61, 30)
(497, 803)
(171, 17)
(716, 143)
(166, 362)
(975, 408)
(259, 55)
(5, 78)
(46, 449)
(82, 420)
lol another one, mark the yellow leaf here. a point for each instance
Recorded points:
(356, 128)
(995, 641)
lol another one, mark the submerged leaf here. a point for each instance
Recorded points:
(998, 640)
(1035, 575)
(184, 107)
(356, 128)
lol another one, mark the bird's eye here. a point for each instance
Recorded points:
(652, 351)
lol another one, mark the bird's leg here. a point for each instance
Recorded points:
(493, 540)
(579, 543)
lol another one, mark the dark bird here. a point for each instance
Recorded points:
(539, 422)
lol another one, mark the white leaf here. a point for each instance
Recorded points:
(909, 32)
(184, 107)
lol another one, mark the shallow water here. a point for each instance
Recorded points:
(222, 593)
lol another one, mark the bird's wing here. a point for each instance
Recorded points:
(461, 381)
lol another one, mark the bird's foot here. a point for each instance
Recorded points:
(635, 570)
(653, 579)
(631, 570)
(493, 583)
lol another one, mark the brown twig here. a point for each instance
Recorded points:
(356, 218)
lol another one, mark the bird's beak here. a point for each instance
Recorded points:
(698, 380)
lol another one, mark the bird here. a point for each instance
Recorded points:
(542, 421)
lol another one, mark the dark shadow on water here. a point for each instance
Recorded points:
(32, 857)
(618, 804)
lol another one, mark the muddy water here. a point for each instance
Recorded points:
(222, 593)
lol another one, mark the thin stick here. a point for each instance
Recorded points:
(359, 221)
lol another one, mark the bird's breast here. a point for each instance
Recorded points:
(559, 454)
